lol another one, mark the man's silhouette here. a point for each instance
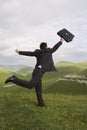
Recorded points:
(44, 64)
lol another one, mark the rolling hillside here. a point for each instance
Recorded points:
(19, 69)
(4, 73)
(63, 69)
(64, 96)
(70, 76)
(25, 71)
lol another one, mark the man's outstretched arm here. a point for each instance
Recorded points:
(26, 53)
(54, 48)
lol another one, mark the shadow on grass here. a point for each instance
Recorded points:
(67, 87)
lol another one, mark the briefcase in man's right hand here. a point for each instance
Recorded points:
(66, 35)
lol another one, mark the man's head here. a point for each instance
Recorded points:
(43, 45)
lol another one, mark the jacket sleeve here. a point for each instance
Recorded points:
(28, 53)
(55, 47)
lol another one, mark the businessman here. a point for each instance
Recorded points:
(44, 64)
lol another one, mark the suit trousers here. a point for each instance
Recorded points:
(34, 82)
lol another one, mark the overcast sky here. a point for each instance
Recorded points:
(24, 24)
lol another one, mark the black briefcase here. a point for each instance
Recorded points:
(66, 35)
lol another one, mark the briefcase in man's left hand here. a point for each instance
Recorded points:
(66, 35)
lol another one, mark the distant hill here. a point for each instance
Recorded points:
(18, 67)
(72, 67)
(70, 78)
(63, 68)
(63, 63)
(83, 72)
(4, 73)
(24, 70)
(83, 65)
(4, 69)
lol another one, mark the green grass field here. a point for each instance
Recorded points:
(66, 102)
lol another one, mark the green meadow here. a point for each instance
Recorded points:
(64, 93)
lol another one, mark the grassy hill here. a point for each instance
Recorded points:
(19, 69)
(25, 70)
(65, 99)
(52, 83)
(4, 73)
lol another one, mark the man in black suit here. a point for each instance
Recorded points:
(44, 64)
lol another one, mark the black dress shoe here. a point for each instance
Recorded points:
(10, 79)
(40, 105)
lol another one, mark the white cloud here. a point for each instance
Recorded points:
(26, 23)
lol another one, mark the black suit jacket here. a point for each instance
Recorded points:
(44, 57)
